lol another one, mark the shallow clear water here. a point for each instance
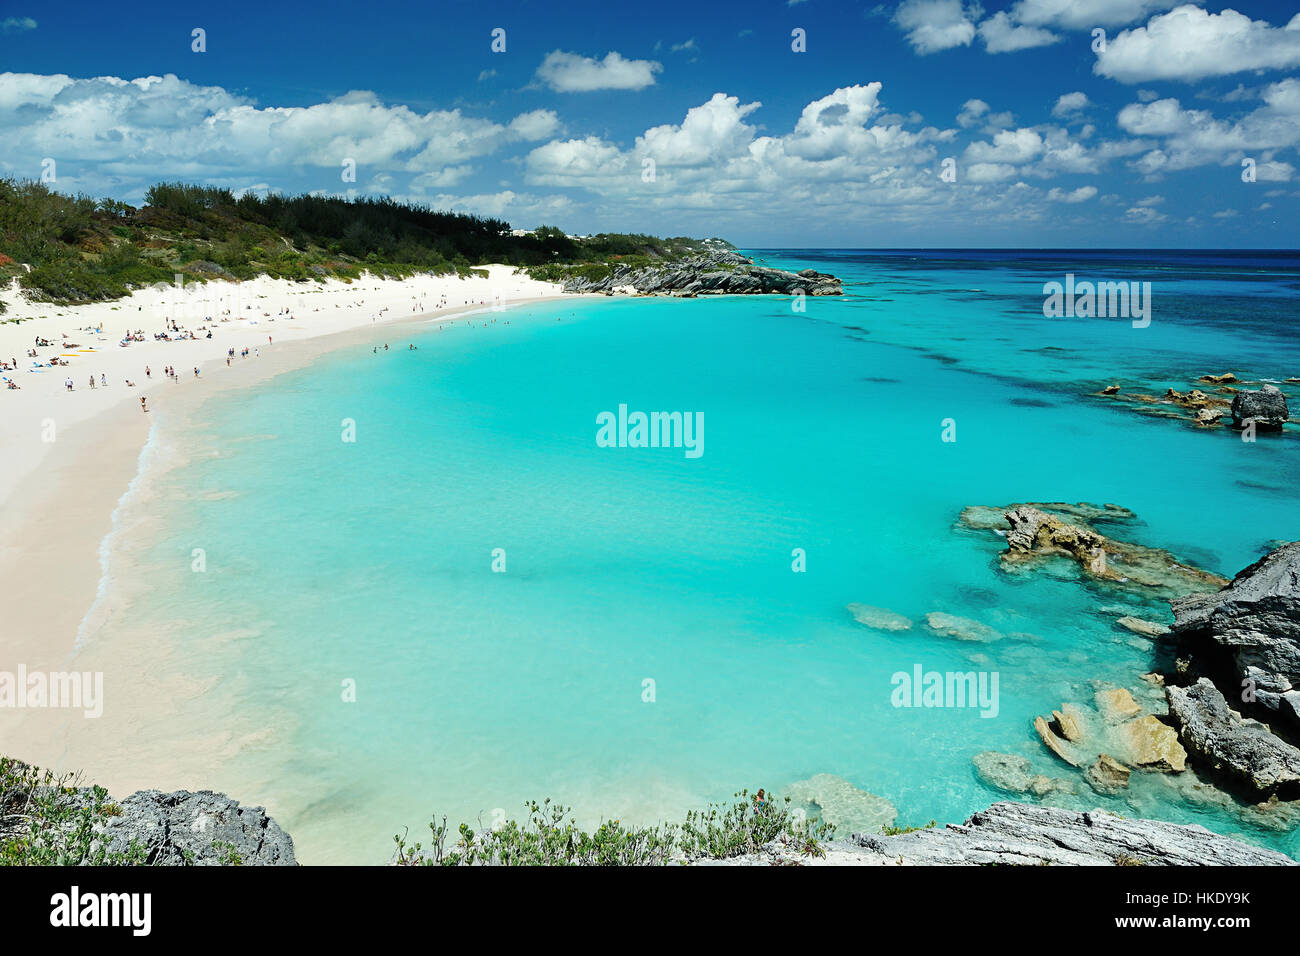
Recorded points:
(372, 561)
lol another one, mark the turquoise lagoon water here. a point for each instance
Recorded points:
(372, 561)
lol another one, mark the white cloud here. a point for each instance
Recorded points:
(1189, 43)
(934, 25)
(1000, 35)
(1082, 194)
(158, 127)
(971, 111)
(1070, 103)
(1084, 14)
(1008, 146)
(572, 73)
(538, 124)
(1196, 138)
(17, 24)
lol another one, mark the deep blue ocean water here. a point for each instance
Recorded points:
(372, 561)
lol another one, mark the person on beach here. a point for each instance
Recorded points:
(196, 371)
(68, 382)
(148, 372)
(103, 379)
(143, 406)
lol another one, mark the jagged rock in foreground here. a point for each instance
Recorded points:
(1249, 630)
(1025, 835)
(1244, 750)
(203, 828)
(1266, 408)
(713, 273)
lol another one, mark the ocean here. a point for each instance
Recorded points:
(414, 583)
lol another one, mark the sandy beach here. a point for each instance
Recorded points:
(70, 457)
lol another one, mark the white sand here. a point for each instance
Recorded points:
(67, 459)
(42, 406)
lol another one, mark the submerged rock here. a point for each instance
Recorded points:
(1267, 408)
(1012, 774)
(837, 801)
(1108, 775)
(1116, 705)
(882, 619)
(961, 628)
(1242, 749)
(1146, 628)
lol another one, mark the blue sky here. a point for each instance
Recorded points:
(1051, 142)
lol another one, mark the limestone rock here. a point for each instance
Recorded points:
(1241, 749)
(1107, 775)
(1116, 705)
(960, 628)
(1019, 834)
(1152, 745)
(203, 828)
(882, 619)
(1267, 408)
(1146, 628)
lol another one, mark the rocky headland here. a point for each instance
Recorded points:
(710, 273)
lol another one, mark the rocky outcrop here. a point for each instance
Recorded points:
(1019, 834)
(1266, 408)
(1034, 533)
(1242, 749)
(203, 828)
(1249, 631)
(712, 273)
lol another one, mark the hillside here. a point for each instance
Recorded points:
(80, 249)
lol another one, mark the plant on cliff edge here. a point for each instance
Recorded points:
(549, 837)
(50, 821)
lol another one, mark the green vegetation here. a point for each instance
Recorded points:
(83, 250)
(899, 831)
(549, 837)
(50, 821)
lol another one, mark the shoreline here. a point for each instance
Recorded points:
(67, 493)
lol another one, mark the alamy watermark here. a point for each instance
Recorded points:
(922, 688)
(1085, 299)
(651, 430)
(60, 690)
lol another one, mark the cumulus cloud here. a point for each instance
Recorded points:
(1069, 104)
(157, 127)
(1084, 14)
(1082, 194)
(1189, 43)
(934, 25)
(1001, 35)
(572, 73)
(1191, 138)
(17, 24)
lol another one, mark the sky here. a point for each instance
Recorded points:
(807, 123)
